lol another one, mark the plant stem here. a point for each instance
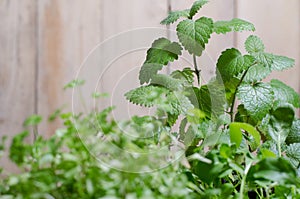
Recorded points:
(279, 145)
(242, 189)
(197, 71)
(234, 96)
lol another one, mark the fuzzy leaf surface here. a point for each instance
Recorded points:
(194, 35)
(197, 5)
(255, 47)
(254, 44)
(284, 94)
(294, 134)
(257, 98)
(232, 62)
(174, 16)
(163, 51)
(148, 70)
(234, 25)
(256, 73)
(167, 82)
(146, 95)
(293, 151)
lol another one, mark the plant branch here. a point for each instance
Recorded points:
(234, 95)
(197, 71)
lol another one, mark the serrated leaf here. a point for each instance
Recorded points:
(163, 51)
(281, 63)
(186, 74)
(209, 98)
(197, 5)
(255, 47)
(265, 59)
(147, 71)
(179, 103)
(284, 94)
(232, 62)
(256, 73)
(294, 134)
(280, 123)
(293, 151)
(174, 16)
(257, 98)
(194, 35)
(236, 25)
(167, 82)
(146, 95)
(254, 44)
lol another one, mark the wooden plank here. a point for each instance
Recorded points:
(125, 24)
(68, 30)
(217, 10)
(17, 66)
(277, 24)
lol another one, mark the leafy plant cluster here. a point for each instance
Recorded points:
(241, 135)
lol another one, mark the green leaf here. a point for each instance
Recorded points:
(284, 94)
(97, 95)
(254, 44)
(280, 123)
(174, 16)
(167, 82)
(149, 70)
(255, 47)
(232, 62)
(33, 120)
(197, 5)
(194, 35)
(145, 95)
(266, 153)
(294, 134)
(281, 62)
(257, 98)
(186, 74)
(236, 133)
(209, 98)
(236, 25)
(256, 73)
(179, 103)
(273, 170)
(74, 83)
(293, 152)
(163, 51)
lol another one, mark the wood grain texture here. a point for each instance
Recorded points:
(277, 23)
(68, 30)
(17, 66)
(125, 24)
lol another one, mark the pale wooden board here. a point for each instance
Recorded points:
(68, 30)
(123, 26)
(217, 10)
(277, 23)
(17, 66)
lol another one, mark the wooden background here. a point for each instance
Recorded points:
(43, 42)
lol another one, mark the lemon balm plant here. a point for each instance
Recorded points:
(240, 136)
(248, 151)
